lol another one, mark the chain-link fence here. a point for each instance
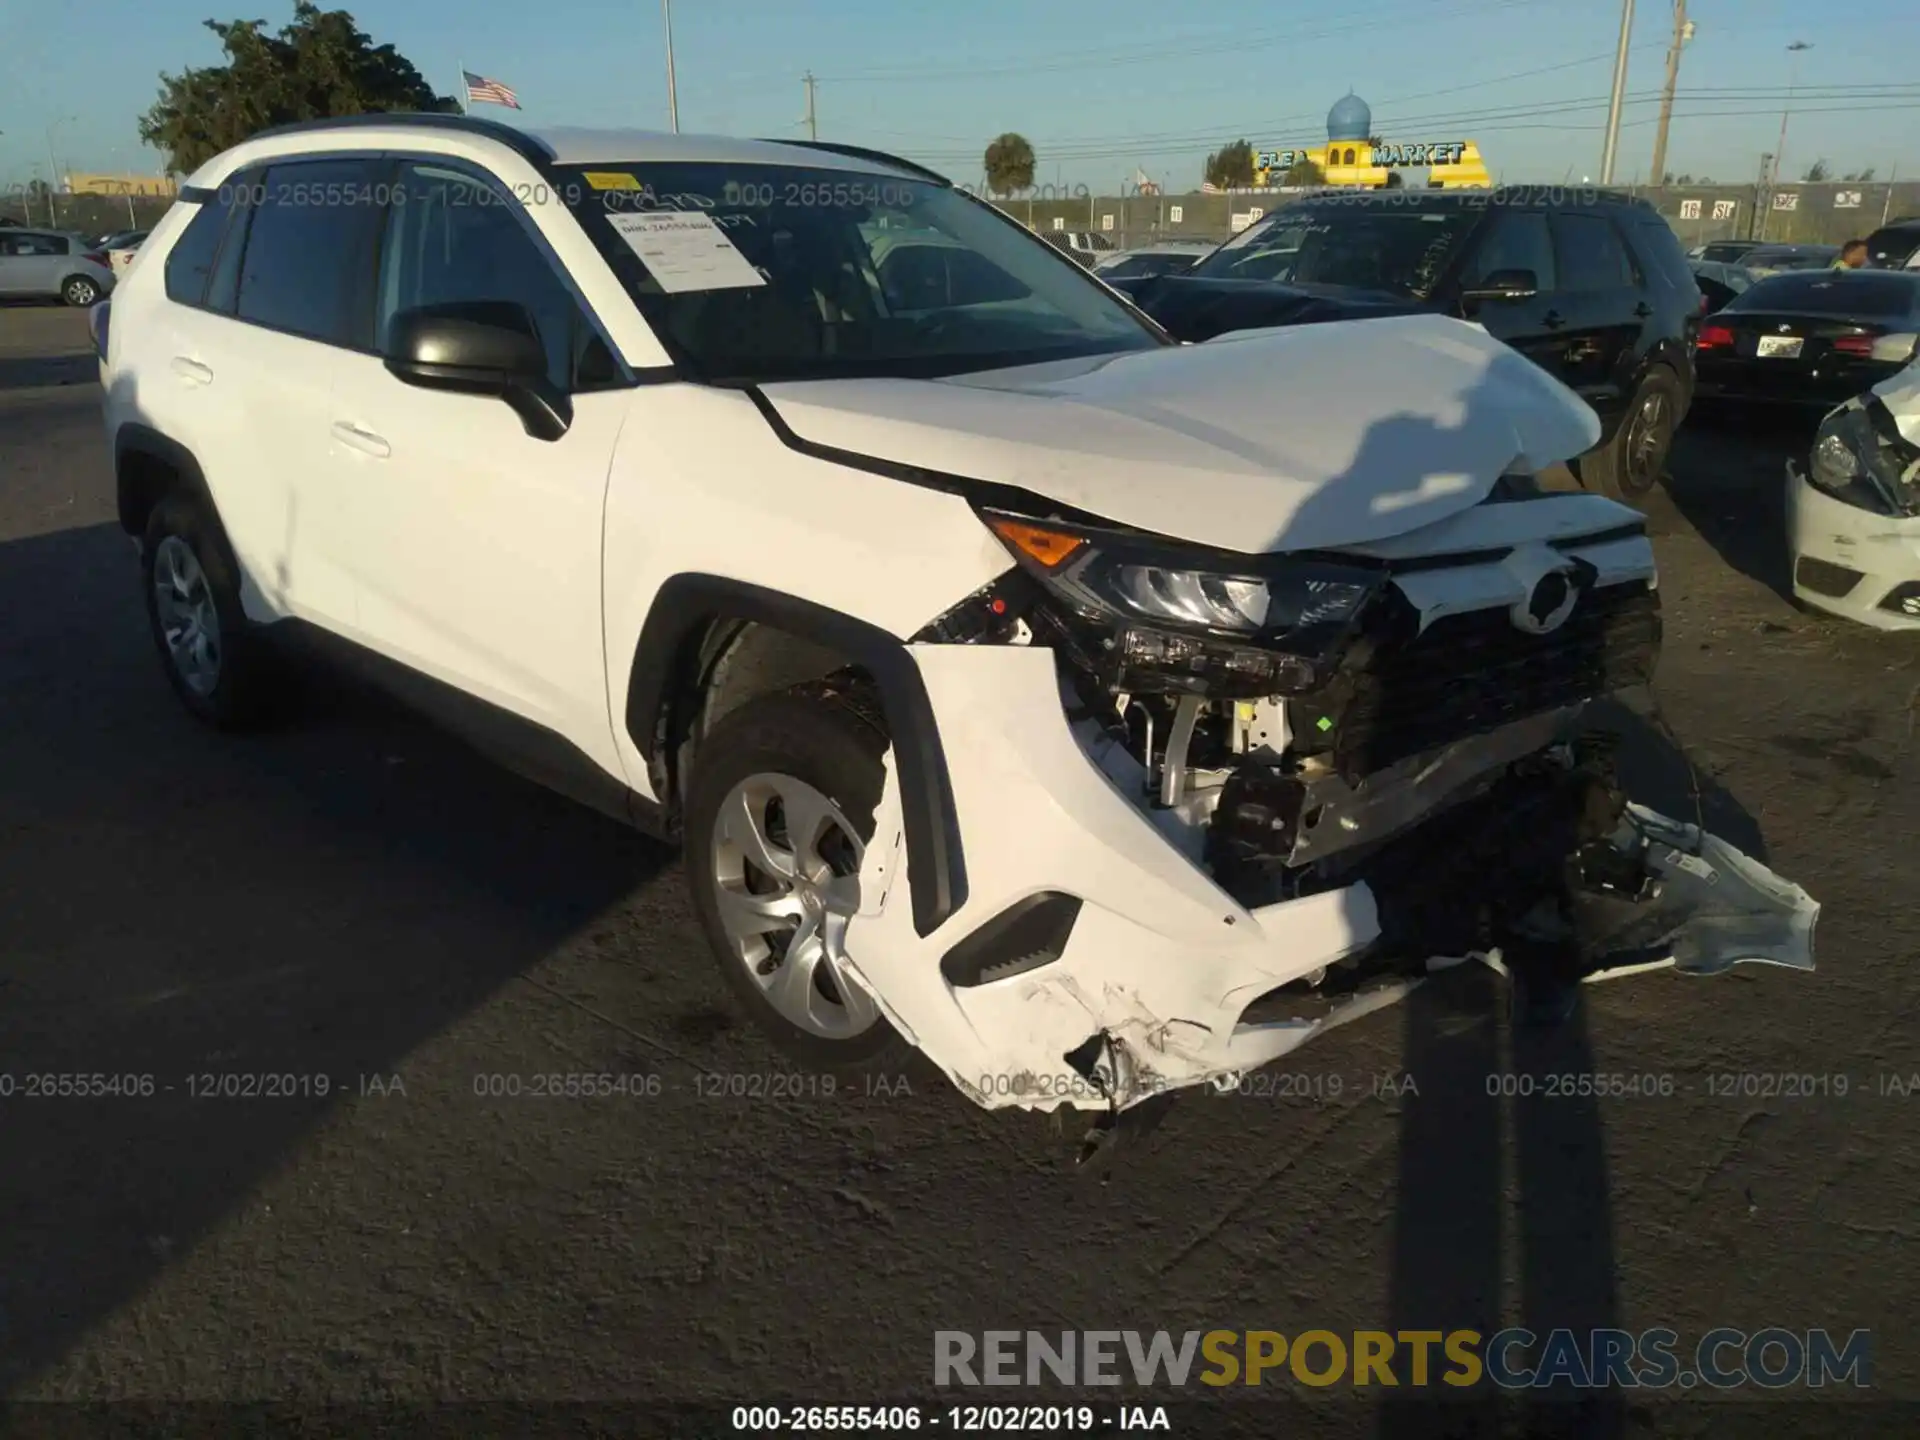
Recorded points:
(88, 215)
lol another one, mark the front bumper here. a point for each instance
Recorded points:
(1149, 985)
(1850, 561)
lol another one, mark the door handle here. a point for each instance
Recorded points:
(364, 441)
(1553, 320)
(192, 371)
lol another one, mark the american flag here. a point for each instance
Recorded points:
(491, 91)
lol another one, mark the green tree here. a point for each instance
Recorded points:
(1304, 172)
(1861, 176)
(1817, 171)
(1230, 166)
(1009, 164)
(319, 66)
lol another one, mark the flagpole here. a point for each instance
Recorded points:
(464, 97)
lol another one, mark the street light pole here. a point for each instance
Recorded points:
(673, 99)
(53, 171)
(1619, 94)
(1793, 79)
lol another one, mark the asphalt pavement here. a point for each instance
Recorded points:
(405, 936)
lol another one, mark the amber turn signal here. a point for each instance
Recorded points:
(1048, 548)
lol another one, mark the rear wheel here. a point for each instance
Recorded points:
(80, 291)
(1631, 464)
(215, 660)
(778, 817)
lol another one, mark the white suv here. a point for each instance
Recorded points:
(1098, 714)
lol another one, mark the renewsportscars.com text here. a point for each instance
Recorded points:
(1772, 1358)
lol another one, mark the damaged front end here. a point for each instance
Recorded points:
(1215, 805)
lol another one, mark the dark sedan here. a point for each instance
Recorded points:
(1814, 337)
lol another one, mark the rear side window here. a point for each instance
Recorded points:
(1592, 255)
(1518, 240)
(307, 264)
(38, 245)
(1824, 292)
(1660, 251)
(1893, 246)
(191, 259)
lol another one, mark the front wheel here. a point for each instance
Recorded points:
(1631, 464)
(778, 817)
(80, 292)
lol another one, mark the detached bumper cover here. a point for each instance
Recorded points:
(1144, 984)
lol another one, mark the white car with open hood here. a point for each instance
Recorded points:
(1100, 715)
(1853, 511)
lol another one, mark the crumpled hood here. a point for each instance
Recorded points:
(1259, 441)
(1901, 395)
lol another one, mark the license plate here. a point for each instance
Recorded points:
(1782, 347)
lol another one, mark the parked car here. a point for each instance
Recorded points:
(1720, 283)
(1724, 252)
(118, 237)
(1598, 295)
(121, 248)
(1085, 246)
(1775, 259)
(1895, 246)
(1075, 705)
(54, 265)
(1170, 257)
(1853, 511)
(1812, 337)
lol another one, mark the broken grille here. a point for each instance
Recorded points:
(1400, 693)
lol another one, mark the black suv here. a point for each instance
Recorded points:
(1592, 286)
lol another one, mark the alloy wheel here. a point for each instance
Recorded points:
(189, 623)
(1648, 440)
(786, 873)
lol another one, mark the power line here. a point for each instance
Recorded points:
(1158, 54)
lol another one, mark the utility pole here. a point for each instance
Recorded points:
(813, 130)
(1619, 94)
(673, 98)
(1762, 202)
(1793, 79)
(1682, 33)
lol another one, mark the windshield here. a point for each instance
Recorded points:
(774, 272)
(1397, 249)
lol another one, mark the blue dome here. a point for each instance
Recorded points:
(1350, 119)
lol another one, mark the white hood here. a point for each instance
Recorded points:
(1901, 395)
(1289, 439)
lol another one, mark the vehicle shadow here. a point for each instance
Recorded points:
(1505, 1220)
(1727, 478)
(31, 372)
(314, 903)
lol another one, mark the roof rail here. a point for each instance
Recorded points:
(859, 152)
(519, 141)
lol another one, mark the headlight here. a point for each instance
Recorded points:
(1859, 456)
(1171, 617)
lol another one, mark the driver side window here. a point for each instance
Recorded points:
(453, 238)
(1518, 240)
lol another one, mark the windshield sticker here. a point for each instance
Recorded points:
(685, 251)
(610, 180)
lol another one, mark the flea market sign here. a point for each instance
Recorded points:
(1447, 152)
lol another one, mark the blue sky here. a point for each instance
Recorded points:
(1100, 88)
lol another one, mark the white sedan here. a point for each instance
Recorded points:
(1853, 514)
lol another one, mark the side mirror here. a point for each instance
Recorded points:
(480, 347)
(1504, 285)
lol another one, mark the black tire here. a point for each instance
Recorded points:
(81, 291)
(1629, 467)
(246, 686)
(830, 736)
